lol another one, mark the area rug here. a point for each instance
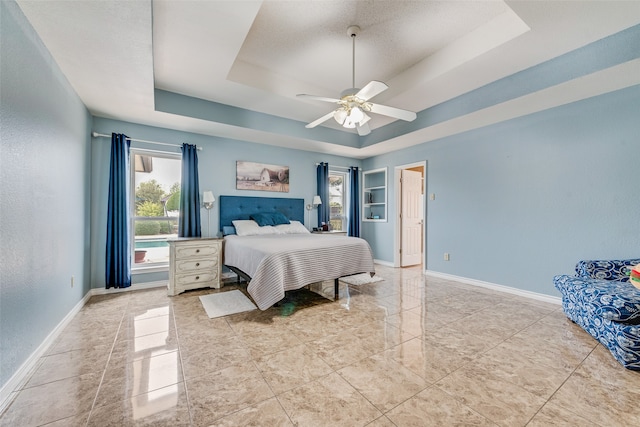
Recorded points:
(225, 303)
(361, 279)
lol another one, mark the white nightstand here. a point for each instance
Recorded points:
(194, 263)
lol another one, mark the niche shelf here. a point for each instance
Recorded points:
(374, 195)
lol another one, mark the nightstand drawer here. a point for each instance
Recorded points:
(195, 265)
(191, 251)
(203, 279)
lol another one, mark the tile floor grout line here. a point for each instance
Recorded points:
(104, 371)
(457, 399)
(479, 355)
(563, 383)
(179, 350)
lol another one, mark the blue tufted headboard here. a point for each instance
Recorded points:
(240, 207)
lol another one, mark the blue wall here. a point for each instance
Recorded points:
(523, 200)
(217, 173)
(44, 191)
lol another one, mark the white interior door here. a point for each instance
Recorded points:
(411, 218)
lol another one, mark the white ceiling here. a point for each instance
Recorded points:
(257, 55)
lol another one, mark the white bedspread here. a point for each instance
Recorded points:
(279, 263)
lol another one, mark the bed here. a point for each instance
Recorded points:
(275, 258)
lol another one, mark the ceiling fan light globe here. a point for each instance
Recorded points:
(349, 124)
(356, 115)
(340, 115)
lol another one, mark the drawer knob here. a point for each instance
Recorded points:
(197, 277)
(197, 264)
(197, 250)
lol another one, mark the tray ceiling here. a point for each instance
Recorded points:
(247, 61)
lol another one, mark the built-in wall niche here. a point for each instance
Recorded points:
(374, 195)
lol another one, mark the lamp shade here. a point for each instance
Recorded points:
(207, 197)
(317, 200)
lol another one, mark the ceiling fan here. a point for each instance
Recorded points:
(354, 104)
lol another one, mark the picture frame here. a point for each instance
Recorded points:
(262, 177)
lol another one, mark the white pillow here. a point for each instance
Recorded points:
(294, 227)
(248, 227)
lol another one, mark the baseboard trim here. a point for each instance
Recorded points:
(385, 263)
(134, 287)
(496, 287)
(22, 375)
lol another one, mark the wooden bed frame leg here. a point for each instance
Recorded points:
(336, 288)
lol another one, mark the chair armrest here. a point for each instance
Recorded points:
(617, 269)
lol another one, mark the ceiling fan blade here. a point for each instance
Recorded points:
(363, 129)
(393, 112)
(320, 120)
(317, 98)
(372, 89)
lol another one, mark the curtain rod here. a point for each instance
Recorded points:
(96, 135)
(336, 167)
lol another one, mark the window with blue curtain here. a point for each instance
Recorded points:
(118, 248)
(155, 187)
(353, 224)
(338, 200)
(189, 221)
(322, 175)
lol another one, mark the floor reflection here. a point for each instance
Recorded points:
(154, 367)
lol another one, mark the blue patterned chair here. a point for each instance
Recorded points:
(601, 300)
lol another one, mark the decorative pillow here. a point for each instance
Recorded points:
(269, 218)
(634, 277)
(294, 227)
(279, 218)
(262, 219)
(248, 227)
(228, 230)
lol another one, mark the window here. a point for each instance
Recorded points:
(337, 200)
(155, 201)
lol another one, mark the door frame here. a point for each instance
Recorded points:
(398, 204)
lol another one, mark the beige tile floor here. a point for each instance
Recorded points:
(408, 351)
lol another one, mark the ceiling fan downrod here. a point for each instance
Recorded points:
(353, 31)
